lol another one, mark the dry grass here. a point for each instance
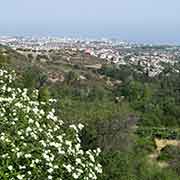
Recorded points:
(161, 143)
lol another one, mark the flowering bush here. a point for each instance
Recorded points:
(34, 145)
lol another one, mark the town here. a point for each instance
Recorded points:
(150, 57)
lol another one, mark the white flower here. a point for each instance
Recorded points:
(98, 150)
(50, 170)
(19, 177)
(19, 132)
(91, 157)
(37, 124)
(60, 138)
(75, 175)
(10, 168)
(22, 167)
(8, 89)
(80, 126)
(50, 177)
(69, 143)
(31, 121)
(78, 161)
(42, 112)
(37, 160)
(28, 156)
(74, 127)
(29, 172)
(28, 129)
(19, 154)
(68, 167)
(98, 168)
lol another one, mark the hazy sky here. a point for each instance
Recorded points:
(137, 20)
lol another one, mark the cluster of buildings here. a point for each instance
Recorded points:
(150, 58)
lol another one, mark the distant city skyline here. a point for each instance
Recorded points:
(150, 21)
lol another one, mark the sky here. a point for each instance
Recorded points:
(149, 21)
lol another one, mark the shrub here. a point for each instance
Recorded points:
(34, 143)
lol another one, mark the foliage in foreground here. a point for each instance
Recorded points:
(34, 143)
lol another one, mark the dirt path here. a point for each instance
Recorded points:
(153, 159)
(160, 144)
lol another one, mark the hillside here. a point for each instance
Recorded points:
(124, 109)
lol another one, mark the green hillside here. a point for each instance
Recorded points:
(123, 110)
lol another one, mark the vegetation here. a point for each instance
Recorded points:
(123, 110)
(34, 144)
